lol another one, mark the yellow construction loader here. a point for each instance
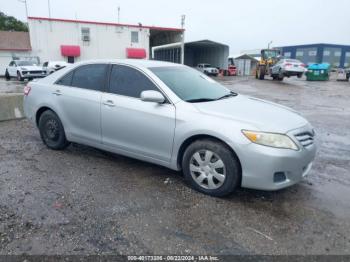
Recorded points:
(269, 57)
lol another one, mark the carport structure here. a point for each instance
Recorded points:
(197, 52)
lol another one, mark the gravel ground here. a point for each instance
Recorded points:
(86, 201)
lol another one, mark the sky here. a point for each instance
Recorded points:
(241, 24)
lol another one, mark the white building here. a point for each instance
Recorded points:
(76, 40)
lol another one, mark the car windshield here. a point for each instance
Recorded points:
(207, 65)
(270, 53)
(25, 63)
(191, 85)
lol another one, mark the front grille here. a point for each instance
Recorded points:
(305, 138)
(36, 72)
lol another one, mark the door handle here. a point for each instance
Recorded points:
(109, 103)
(57, 92)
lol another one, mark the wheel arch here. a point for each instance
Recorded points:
(196, 137)
(40, 111)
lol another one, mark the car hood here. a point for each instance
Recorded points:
(266, 116)
(30, 68)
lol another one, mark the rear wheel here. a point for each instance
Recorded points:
(211, 168)
(262, 70)
(7, 75)
(300, 75)
(52, 131)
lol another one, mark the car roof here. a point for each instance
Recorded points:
(133, 62)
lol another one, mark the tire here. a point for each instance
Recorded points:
(262, 72)
(19, 78)
(7, 75)
(52, 131)
(300, 75)
(228, 170)
(280, 76)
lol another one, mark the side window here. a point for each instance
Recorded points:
(45, 64)
(90, 77)
(12, 63)
(66, 80)
(128, 81)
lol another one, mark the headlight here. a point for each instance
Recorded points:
(270, 139)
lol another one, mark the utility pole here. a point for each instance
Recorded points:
(183, 17)
(49, 7)
(118, 14)
(25, 3)
(269, 44)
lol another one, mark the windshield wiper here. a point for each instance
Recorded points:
(198, 100)
(231, 94)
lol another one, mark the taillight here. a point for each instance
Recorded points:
(303, 65)
(26, 90)
(288, 64)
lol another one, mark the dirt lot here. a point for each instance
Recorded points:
(85, 201)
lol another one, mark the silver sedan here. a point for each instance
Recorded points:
(173, 116)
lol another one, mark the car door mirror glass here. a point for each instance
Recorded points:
(152, 96)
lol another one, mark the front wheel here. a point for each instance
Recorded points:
(300, 75)
(52, 131)
(19, 77)
(210, 167)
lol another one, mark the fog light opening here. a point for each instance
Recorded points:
(279, 177)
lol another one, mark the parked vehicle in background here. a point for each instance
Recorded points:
(287, 68)
(232, 70)
(343, 74)
(269, 57)
(174, 116)
(208, 69)
(52, 66)
(24, 69)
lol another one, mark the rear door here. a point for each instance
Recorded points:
(78, 96)
(142, 128)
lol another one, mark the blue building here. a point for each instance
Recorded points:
(335, 55)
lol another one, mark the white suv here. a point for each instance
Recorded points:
(208, 69)
(52, 66)
(24, 69)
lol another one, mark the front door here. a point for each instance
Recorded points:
(142, 128)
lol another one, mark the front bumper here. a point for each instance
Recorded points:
(260, 164)
(33, 75)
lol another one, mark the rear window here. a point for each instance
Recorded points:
(66, 80)
(90, 77)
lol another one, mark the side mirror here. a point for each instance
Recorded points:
(152, 96)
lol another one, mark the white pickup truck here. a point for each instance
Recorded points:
(208, 69)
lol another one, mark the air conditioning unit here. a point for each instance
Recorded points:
(86, 38)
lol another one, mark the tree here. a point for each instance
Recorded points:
(10, 23)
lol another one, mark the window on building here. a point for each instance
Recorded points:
(85, 34)
(128, 81)
(312, 53)
(134, 37)
(287, 54)
(331, 55)
(90, 77)
(299, 53)
(347, 59)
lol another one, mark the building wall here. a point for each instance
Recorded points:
(106, 41)
(336, 55)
